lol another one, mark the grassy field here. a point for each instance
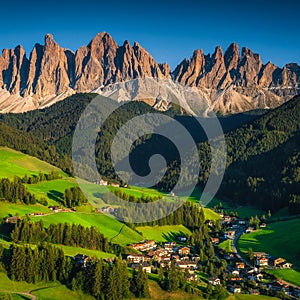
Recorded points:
(250, 297)
(163, 233)
(289, 275)
(278, 239)
(43, 290)
(72, 251)
(210, 214)
(14, 163)
(60, 292)
(110, 227)
(139, 191)
(9, 296)
(226, 246)
(7, 208)
(52, 190)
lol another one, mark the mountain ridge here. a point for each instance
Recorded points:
(228, 82)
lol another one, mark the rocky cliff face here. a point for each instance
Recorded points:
(237, 82)
(228, 82)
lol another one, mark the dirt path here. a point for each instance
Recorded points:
(29, 293)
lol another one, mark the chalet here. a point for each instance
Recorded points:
(55, 208)
(103, 182)
(240, 265)
(214, 281)
(37, 214)
(13, 220)
(215, 241)
(250, 229)
(136, 258)
(192, 277)
(263, 225)
(145, 267)
(144, 246)
(115, 184)
(236, 289)
(184, 251)
(169, 246)
(285, 265)
(236, 279)
(262, 261)
(260, 254)
(107, 209)
(276, 261)
(187, 265)
(229, 234)
(176, 257)
(280, 263)
(229, 256)
(81, 260)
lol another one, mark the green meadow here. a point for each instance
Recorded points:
(110, 227)
(290, 275)
(14, 163)
(280, 239)
(163, 233)
(226, 246)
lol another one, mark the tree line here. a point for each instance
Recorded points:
(105, 281)
(14, 191)
(26, 231)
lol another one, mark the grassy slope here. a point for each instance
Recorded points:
(43, 290)
(16, 163)
(7, 208)
(289, 275)
(109, 226)
(162, 233)
(278, 239)
(226, 246)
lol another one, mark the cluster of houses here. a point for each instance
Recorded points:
(163, 256)
(106, 183)
(56, 209)
(240, 270)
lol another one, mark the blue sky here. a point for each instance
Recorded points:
(169, 30)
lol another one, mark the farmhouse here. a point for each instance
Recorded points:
(250, 229)
(103, 182)
(184, 251)
(192, 277)
(169, 246)
(145, 267)
(137, 258)
(262, 261)
(187, 264)
(214, 281)
(215, 240)
(240, 265)
(107, 209)
(144, 246)
(229, 234)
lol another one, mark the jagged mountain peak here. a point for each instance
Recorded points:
(229, 81)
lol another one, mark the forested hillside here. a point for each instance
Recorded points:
(263, 156)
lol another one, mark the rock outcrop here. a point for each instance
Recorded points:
(228, 82)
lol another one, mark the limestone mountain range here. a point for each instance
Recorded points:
(227, 82)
